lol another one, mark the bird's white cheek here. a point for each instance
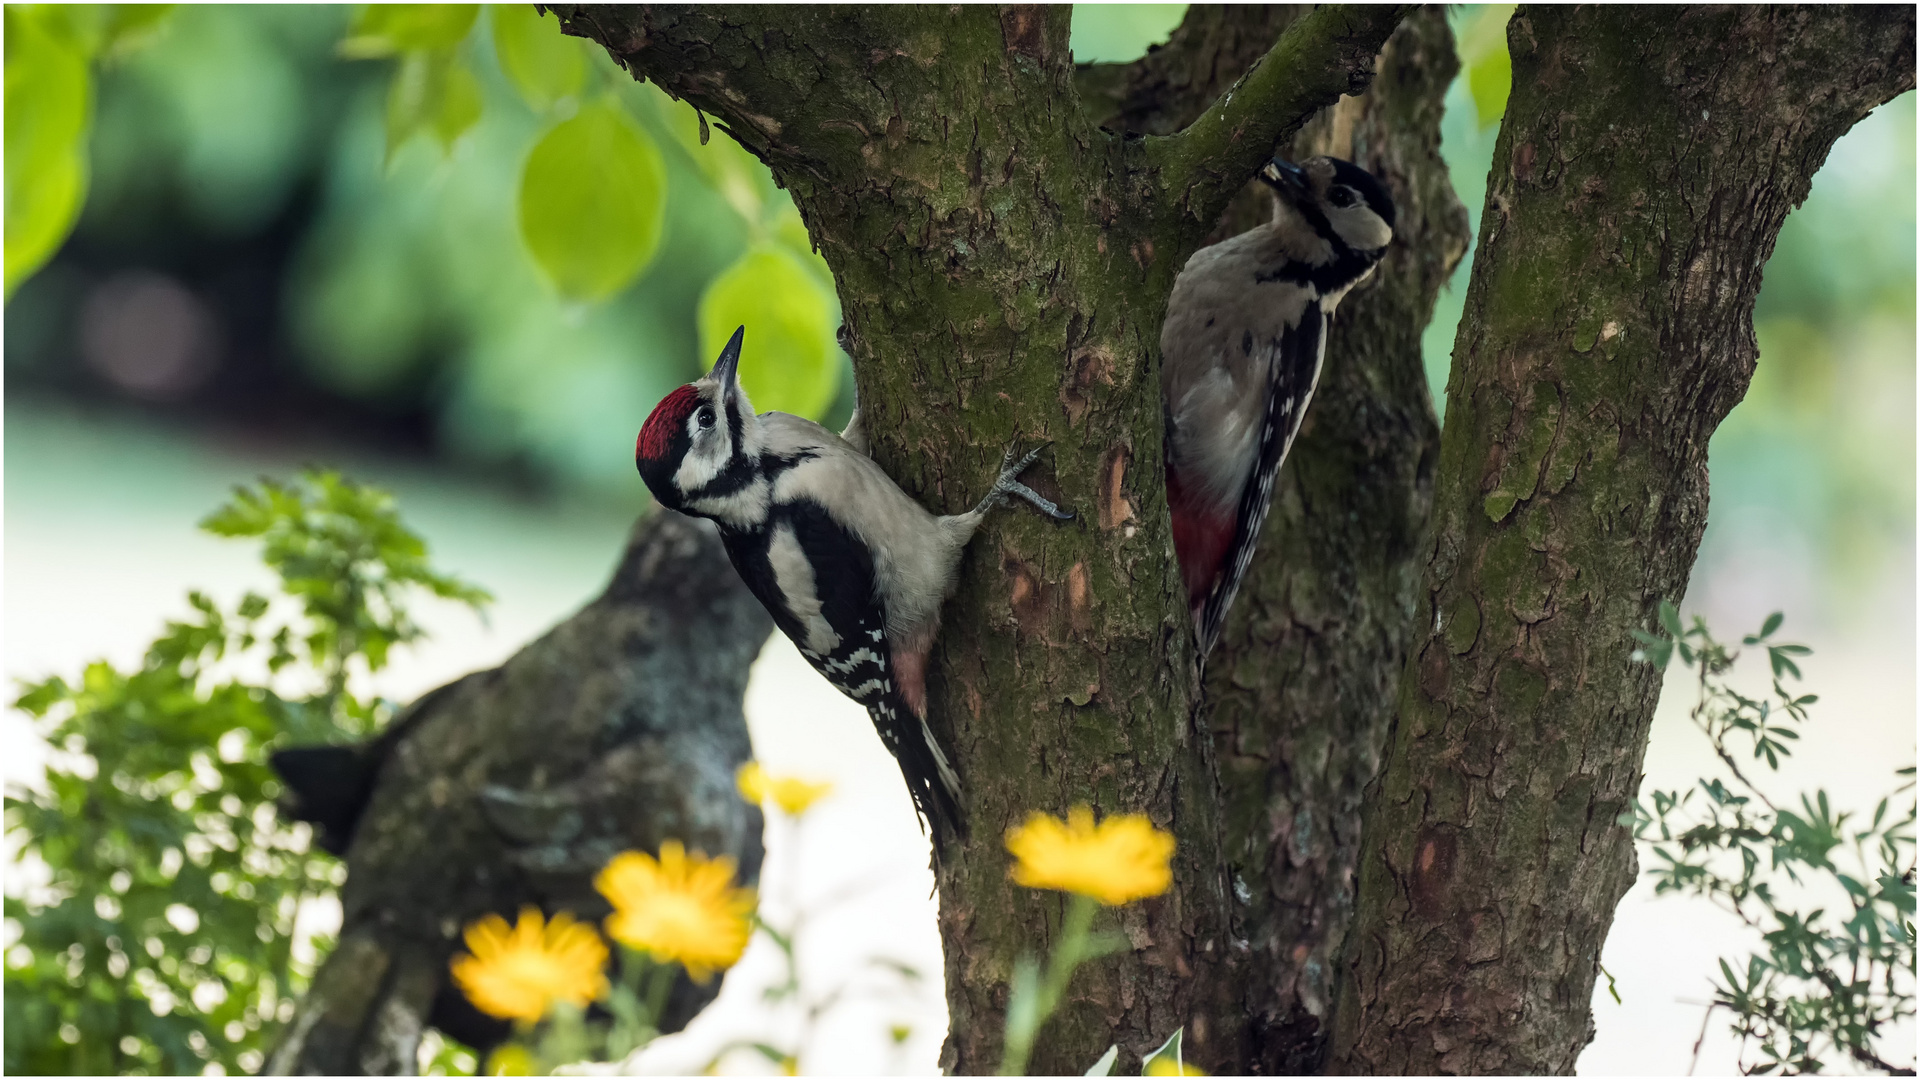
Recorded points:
(703, 462)
(1362, 229)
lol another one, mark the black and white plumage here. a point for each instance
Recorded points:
(1241, 350)
(851, 568)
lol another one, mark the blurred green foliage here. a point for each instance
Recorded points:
(50, 49)
(1830, 897)
(161, 941)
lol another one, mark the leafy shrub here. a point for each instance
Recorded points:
(1832, 897)
(162, 939)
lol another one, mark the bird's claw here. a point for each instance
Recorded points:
(1009, 484)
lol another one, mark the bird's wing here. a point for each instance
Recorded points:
(860, 665)
(1291, 376)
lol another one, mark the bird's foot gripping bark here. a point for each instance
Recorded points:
(1008, 484)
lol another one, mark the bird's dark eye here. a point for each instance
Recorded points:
(704, 417)
(1341, 196)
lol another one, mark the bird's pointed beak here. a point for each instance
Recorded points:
(1285, 177)
(726, 370)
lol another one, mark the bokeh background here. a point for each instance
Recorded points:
(256, 282)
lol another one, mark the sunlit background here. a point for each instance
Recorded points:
(257, 283)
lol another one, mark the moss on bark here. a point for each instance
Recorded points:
(1646, 162)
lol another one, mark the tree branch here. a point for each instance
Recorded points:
(619, 728)
(1318, 59)
(1165, 90)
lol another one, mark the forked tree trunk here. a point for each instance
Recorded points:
(1003, 264)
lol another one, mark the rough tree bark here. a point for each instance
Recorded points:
(618, 729)
(1003, 266)
(1647, 160)
(1300, 689)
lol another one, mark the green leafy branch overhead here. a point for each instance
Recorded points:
(593, 199)
(593, 189)
(51, 50)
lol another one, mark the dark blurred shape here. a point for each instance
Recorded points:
(148, 335)
(619, 729)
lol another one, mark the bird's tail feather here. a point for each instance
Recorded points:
(930, 777)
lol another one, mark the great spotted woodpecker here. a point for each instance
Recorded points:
(850, 566)
(1245, 332)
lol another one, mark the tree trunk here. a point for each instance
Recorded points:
(1647, 160)
(1301, 686)
(1003, 266)
(617, 729)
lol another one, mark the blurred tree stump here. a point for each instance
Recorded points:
(618, 729)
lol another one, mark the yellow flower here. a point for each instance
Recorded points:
(790, 793)
(1164, 1065)
(517, 973)
(1120, 860)
(682, 908)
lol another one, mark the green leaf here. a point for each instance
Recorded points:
(386, 29)
(431, 91)
(1104, 1067)
(49, 95)
(593, 202)
(1023, 1001)
(788, 361)
(1773, 623)
(1489, 80)
(459, 105)
(544, 65)
(1670, 619)
(1656, 651)
(1169, 1050)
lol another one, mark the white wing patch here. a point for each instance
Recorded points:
(794, 576)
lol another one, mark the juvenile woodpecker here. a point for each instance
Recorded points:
(850, 567)
(1245, 332)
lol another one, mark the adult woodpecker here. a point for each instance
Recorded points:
(850, 567)
(1241, 347)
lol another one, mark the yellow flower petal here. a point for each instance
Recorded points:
(1166, 1066)
(789, 793)
(680, 908)
(1120, 860)
(518, 972)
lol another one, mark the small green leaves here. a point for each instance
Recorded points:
(174, 879)
(593, 202)
(342, 550)
(49, 100)
(390, 29)
(544, 66)
(1823, 977)
(787, 362)
(431, 91)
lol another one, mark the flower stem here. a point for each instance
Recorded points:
(659, 985)
(1025, 1018)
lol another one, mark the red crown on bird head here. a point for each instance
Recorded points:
(669, 418)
